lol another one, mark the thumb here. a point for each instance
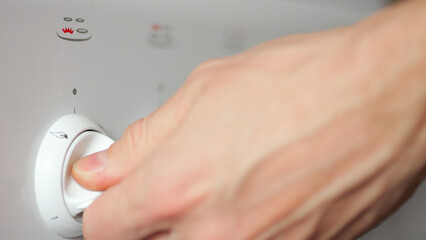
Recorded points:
(104, 169)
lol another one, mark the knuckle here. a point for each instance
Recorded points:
(217, 73)
(206, 70)
(209, 65)
(133, 135)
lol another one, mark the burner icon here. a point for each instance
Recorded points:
(73, 29)
(160, 36)
(68, 30)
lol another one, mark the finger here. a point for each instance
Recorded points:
(148, 200)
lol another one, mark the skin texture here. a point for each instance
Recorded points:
(314, 136)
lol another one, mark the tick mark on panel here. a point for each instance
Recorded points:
(54, 218)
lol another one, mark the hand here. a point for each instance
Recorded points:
(311, 136)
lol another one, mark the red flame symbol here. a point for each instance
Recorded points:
(156, 27)
(68, 30)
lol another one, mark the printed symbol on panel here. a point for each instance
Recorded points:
(68, 30)
(73, 29)
(160, 36)
(59, 134)
(54, 218)
(234, 39)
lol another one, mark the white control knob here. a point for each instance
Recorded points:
(61, 200)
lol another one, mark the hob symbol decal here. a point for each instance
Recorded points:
(68, 30)
(160, 36)
(73, 29)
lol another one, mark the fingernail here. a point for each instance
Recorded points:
(91, 164)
